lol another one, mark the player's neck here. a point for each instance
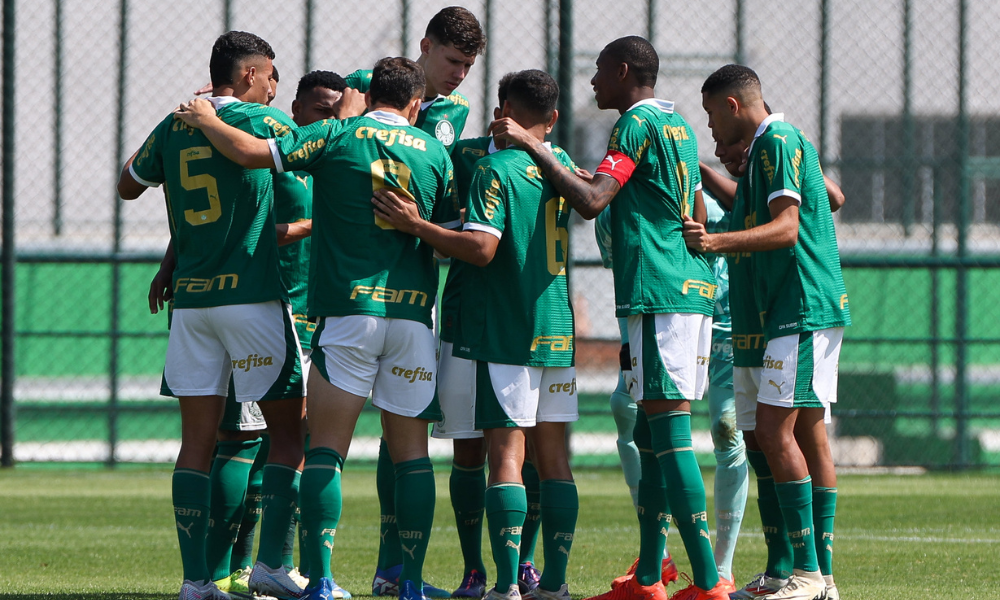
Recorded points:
(228, 90)
(633, 95)
(755, 116)
(430, 92)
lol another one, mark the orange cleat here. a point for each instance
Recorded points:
(693, 592)
(631, 589)
(668, 573)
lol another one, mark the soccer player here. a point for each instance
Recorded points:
(452, 41)
(372, 288)
(517, 325)
(784, 222)
(650, 179)
(230, 318)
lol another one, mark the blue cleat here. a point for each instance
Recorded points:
(409, 591)
(322, 591)
(527, 577)
(473, 586)
(386, 583)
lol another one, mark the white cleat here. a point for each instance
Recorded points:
(831, 588)
(760, 585)
(207, 591)
(801, 586)
(303, 582)
(512, 594)
(539, 594)
(265, 581)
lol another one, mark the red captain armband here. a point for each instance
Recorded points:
(617, 165)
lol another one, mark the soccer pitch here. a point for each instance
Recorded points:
(98, 534)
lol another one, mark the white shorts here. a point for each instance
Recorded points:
(391, 359)
(242, 416)
(519, 396)
(746, 382)
(800, 371)
(670, 354)
(255, 344)
(456, 391)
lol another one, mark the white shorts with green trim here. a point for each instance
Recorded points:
(800, 371)
(519, 396)
(670, 354)
(255, 344)
(746, 383)
(391, 359)
(456, 392)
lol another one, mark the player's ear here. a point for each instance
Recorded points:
(296, 109)
(506, 110)
(425, 46)
(250, 75)
(733, 104)
(413, 111)
(497, 113)
(552, 122)
(622, 71)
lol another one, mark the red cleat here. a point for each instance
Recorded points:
(631, 589)
(668, 573)
(693, 592)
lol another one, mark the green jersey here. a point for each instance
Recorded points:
(798, 289)
(720, 367)
(221, 215)
(360, 264)
(516, 309)
(293, 203)
(464, 156)
(748, 335)
(653, 154)
(443, 117)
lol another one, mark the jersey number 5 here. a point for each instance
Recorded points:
(197, 182)
(399, 172)
(556, 237)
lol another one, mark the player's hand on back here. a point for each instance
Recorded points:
(205, 89)
(695, 235)
(351, 104)
(196, 112)
(397, 211)
(584, 174)
(507, 131)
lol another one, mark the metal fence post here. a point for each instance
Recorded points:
(909, 147)
(487, 64)
(404, 38)
(7, 368)
(824, 77)
(740, 41)
(651, 21)
(962, 275)
(310, 14)
(565, 133)
(57, 121)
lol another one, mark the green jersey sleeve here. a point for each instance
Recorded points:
(303, 148)
(360, 80)
(487, 208)
(147, 167)
(780, 159)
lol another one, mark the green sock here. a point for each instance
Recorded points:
(414, 515)
(192, 497)
(280, 492)
(506, 506)
(468, 498)
(229, 476)
(654, 516)
(560, 508)
(322, 503)
(795, 499)
(824, 509)
(779, 550)
(390, 553)
(288, 549)
(671, 433)
(533, 518)
(303, 556)
(242, 557)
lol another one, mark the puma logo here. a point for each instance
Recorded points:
(614, 163)
(511, 544)
(704, 534)
(410, 551)
(381, 534)
(776, 385)
(304, 181)
(783, 138)
(187, 529)
(328, 544)
(564, 550)
(638, 120)
(663, 531)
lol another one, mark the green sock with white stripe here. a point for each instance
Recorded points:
(229, 476)
(795, 499)
(654, 515)
(280, 492)
(506, 506)
(389, 552)
(779, 550)
(243, 547)
(414, 515)
(560, 509)
(468, 497)
(671, 433)
(322, 503)
(191, 497)
(824, 509)
(533, 518)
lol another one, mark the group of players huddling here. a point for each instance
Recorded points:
(305, 248)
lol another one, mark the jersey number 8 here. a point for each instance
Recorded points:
(400, 172)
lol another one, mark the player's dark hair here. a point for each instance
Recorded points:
(459, 27)
(533, 91)
(323, 79)
(732, 80)
(231, 49)
(503, 86)
(396, 81)
(274, 74)
(639, 55)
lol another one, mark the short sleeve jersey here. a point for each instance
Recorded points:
(801, 288)
(361, 265)
(516, 310)
(293, 203)
(747, 333)
(443, 117)
(464, 156)
(653, 154)
(602, 232)
(221, 215)
(720, 368)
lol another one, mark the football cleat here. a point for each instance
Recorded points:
(265, 581)
(514, 593)
(761, 585)
(527, 577)
(800, 586)
(297, 577)
(631, 589)
(539, 594)
(473, 586)
(322, 591)
(728, 584)
(692, 592)
(668, 572)
(831, 588)
(409, 591)
(206, 591)
(386, 583)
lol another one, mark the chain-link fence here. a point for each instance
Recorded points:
(895, 94)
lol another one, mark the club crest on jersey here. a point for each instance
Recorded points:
(444, 131)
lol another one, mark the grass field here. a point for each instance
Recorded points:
(98, 534)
